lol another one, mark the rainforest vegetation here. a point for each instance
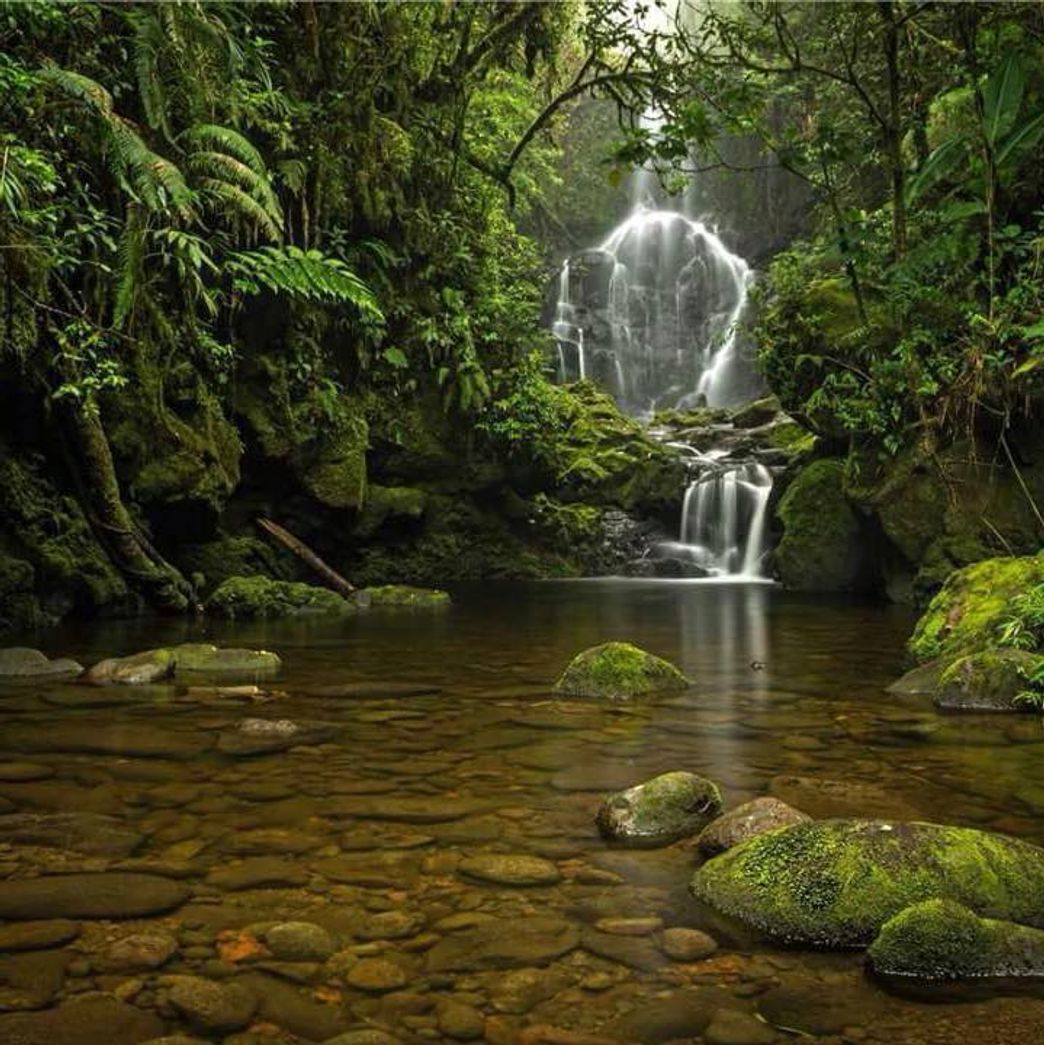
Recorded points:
(292, 260)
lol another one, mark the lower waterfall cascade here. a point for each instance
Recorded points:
(653, 315)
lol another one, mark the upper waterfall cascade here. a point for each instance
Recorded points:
(653, 315)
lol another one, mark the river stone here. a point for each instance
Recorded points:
(659, 811)
(922, 681)
(504, 944)
(299, 942)
(139, 668)
(942, 940)
(617, 670)
(24, 772)
(747, 821)
(680, 1015)
(268, 840)
(372, 690)
(202, 656)
(687, 945)
(636, 952)
(735, 1027)
(210, 1007)
(390, 925)
(834, 883)
(138, 952)
(260, 736)
(101, 895)
(509, 869)
(94, 1020)
(363, 1036)
(519, 990)
(376, 976)
(282, 1003)
(91, 833)
(20, 662)
(434, 810)
(31, 980)
(460, 1022)
(109, 738)
(403, 595)
(822, 798)
(259, 872)
(38, 936)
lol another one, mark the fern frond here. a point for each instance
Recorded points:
(210, 136)
(221, 167)
(231, 203)
(149, 41)
(79, 87)
(310, 275)
(129, 256)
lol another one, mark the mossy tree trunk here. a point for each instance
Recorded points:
(91, 460)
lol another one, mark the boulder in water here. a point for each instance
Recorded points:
(403, 596)
(993, 680)
(659, 811)
(834, 883)
(261, 597)
(20, 662)
(202, 656)
(152, 665)
(748, 821)
(618, 670)
(943, 940)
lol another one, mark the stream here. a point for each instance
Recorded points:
(380, 830)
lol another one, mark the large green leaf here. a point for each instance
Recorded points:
(938, 165)
(1002, 97)
(1020, 140)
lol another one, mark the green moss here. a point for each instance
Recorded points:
(991, 680)
(834, 883)
(336, 476)
(618, 670)
(757, 413)
(967, 613)
(660, 811)
(823, 547)
(249, 597)
(19, 608)
(384, 503)
(204, 657)
(216, 561)
(403, 595)
(943, 940)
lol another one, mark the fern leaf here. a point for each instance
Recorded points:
(82, 88)
(231, 203)
(209, 136)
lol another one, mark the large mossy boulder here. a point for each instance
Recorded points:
(618, 670)
(993, 680)
(204, 657)
(966, 615)
(823, 547)
(660, 811)
(834, 883)
(210, 563)
(943, 940)
(19, 662)
(244, 598)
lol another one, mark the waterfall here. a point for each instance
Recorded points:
(653, 314)
(723, 520)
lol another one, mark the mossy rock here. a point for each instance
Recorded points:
(834, 883)
(138, 669)
(660, 811)
(404, 596)
(757, 413)
(966, 614)
(19, 607)
(213, 562)
(943, 940)
(262, 597)
(988, 681)
(336, 477)
(823, 547)
(618, 670)
(18, 662)
(204, 657)
(386, 503)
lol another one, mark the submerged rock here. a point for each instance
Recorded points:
(92, 833)
(103, 895)
(152, 665)
(508, 869)
(943, 940)
(261, 597)
(38, 936)
(747, 821)
(211, 1007)
(834, 883)
(660, 811)
(97, 1019)
(259, 736)
(19, 662)
(618, 670)
(405, 596)
(504, 944)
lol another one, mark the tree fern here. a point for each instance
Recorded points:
(305, 274)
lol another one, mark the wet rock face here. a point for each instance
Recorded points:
(834, 883)
(660, 811)
(747, 821)
(618, 670)
(943, 940)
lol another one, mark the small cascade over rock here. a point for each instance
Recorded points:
(653, 315)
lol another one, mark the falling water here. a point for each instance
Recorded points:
(653, 315)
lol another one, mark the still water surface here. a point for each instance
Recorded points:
(788, 699)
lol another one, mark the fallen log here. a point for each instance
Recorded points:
(303, 552)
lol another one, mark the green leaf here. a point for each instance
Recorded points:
(396, 357)
(938, 165)
(1021, 139)
(1002, 97)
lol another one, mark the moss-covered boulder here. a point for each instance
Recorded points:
(334, 472)
(834, 883)
(204, 657)
(618, 670)
(753, 818)
(659, 811)
(261, 597)
(993, 680)
(138, 669)
(386, 504)
(943, 940)
(967, 613)
(18, 662)
(210, 563)
(404, 596)
(754, 414)
(823, 547)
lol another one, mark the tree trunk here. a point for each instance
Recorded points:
(893, 129)
(161, 584)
